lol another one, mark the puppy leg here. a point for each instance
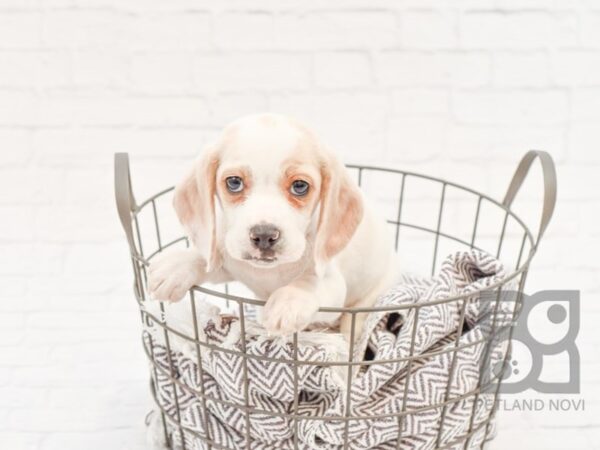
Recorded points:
(368, 300)
(346, 325)
(172, 273)
(293, 307)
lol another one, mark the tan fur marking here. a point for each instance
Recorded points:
(291, 174)
(341, 210)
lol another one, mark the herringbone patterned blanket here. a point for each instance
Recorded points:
(392, 402)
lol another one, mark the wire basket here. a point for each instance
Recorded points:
(427, 218)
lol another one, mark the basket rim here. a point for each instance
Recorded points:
(511, 275)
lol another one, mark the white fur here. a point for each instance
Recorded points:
(299, 281)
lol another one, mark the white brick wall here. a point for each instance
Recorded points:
(453, 88)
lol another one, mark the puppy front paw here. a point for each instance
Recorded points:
(173, 273)
(289, 309)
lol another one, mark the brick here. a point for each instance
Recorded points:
(342, 70)
(518, 5)
(90, 227)
(517, 107)
(82, 109)
(11, 337)
(81, 187)
(71, 28)
(521, 69)
(300, 7)
(93, 259)
(84, 374)
(191, 30)
(76, 320)
(101, 68)
(342, 107)
(18, 108)
(590, 29)
(63, 419)
(22, 441)
(12, 320)
(94, 147)
(16, 148)
(30, 259)
(576, 68)
(588, 211)
(586, 105)
(161, 72)
(420, 69)
(552, 440)
(18, 228)
(145, 7)
(77, 352)
(20, 4)
(420, 101)
(337, 30)
(186, 110)
(504, 142)
(68, 148)
(67, 396)
(20, 30)
(415, 139)
(225, 108)
(429, 30)
(69, 3)
(25, 356)
(132, 439)
(36, 185)
(245, 30)
(72, 301)
(235, 72)
(583, 143)
(517, 30)
(12, 287)
(442, 5)
(34, 69)
(580, 182)
(111, 110)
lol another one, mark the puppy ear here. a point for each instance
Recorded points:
(194, 203)
(341, 211)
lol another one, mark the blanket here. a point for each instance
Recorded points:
(391, 403)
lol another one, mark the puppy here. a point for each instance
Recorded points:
(268, 205)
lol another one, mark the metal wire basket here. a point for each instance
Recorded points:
(427, 216)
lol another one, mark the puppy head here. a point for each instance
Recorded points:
(278, 193)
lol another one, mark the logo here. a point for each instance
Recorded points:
(537, 350)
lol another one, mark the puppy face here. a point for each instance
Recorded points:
(279, 195)
(268, 184)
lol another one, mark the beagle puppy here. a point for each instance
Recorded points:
(268, 205)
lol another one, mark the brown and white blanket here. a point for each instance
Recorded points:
(377, 391)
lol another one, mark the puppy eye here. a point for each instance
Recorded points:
(299, 188)
(234, 184)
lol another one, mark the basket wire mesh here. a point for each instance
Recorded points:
(394, 180)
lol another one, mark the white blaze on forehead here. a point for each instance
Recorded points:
(262, 143)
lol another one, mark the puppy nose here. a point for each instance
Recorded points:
(264, 236)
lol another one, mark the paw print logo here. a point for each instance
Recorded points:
(543, 354)
(504, 369)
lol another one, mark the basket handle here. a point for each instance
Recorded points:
(124, 196)
(549, 173)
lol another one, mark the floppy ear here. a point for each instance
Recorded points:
(341, 211)
(194, 203)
